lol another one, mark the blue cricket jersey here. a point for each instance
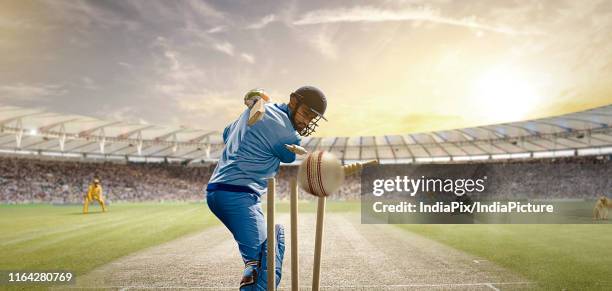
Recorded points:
(254, 153)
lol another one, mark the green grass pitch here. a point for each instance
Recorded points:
(47, 237)
(556, 256)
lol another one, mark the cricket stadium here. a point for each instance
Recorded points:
(305, 145)
(158, 233)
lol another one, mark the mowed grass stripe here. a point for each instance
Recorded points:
(77, 222)
(54, 229)
(97, 232)
(557, 257)
(126, 228)
(99, 222)
(36, 220)
(101, 245)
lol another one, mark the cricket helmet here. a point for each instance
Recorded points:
(313, 99)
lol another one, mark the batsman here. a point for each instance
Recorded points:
(264, 135)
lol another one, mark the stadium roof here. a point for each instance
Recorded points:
(39, 132)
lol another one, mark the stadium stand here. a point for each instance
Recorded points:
(51, 158)
(36, 132)
(31, 180)
(26, 180)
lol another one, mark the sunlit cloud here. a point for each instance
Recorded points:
(263, 22)
(248, 58)
(217, 29)
(323, 42)
(373, 14)
(205, 10)
(22, 91)
(225, 47)
(88, 83)
(387, 66)
(125, 64)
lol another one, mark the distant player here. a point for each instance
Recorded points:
(94, 192)
(252, 154)
(600, 211)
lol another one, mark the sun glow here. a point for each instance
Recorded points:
(504, 94)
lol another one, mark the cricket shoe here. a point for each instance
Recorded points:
(261, 282)
(249, 275)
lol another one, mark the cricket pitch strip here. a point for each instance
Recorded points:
(355, 257)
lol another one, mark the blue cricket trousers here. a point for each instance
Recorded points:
(241, 213)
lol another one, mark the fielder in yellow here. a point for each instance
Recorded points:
(94, 193)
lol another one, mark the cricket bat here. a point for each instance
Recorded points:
(257, 111)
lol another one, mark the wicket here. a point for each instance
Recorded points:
(316, 269)
(271, 247)
(331, 165)
(295, 283)
(295, 280)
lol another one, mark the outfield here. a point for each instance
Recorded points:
(558, 257)
(41, 236)
(46, 237)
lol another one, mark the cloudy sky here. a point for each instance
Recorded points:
(387, 66)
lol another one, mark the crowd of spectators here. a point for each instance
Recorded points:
(585, 177)
(25, 180)
(558, 178)
(30, 180)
